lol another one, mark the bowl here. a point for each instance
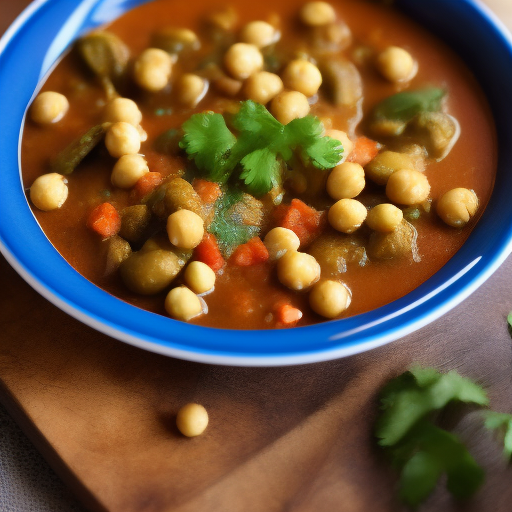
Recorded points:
(44, 31)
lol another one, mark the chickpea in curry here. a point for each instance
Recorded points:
(259, 167)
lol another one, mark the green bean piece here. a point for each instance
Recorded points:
(70, 157)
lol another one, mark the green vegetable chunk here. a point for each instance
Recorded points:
(262, 147)
(104, 53)
(69, 158)
(403, 106)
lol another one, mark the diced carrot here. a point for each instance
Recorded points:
(251, 253)
(104, 220)
(146, 184)
(208, 252)
(286, 314)
(304, 221)
(208, 191)
(365, 150)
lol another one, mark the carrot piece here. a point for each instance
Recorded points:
(208, 191)
(208, 252)
(286, 314)
(365, 150)
(146, 184)
(304, 221)
(104, 220)
(251, 253)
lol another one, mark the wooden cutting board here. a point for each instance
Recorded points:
(295, 439)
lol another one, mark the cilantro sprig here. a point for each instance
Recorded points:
(260, 148)
(421, 450)
(417, 393)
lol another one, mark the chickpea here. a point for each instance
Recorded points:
(191, 89)
(122, 139)
(183, 304)
(297, 270)
(279, 240)
(340, 135)
(123, 109)
(316, 14)
(396, 64)
(384, 218)
(300, 75)
(329, 298)
(49, 191)
(347, 215)
(407, 186)
(185, 229)
(127, 171)
(457, 206)
(199, 277)
(259, 33)
(49, 107)
(242, 60)
(262, 87)
(152, 69)
(289, 105)
(346, 180)
(192, 420)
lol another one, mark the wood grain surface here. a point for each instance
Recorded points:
(295, 439)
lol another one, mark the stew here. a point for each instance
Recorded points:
(259, 165)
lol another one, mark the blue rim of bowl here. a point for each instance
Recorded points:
(45, 29)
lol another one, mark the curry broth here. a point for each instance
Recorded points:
(243, 296)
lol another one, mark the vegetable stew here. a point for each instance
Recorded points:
(259, 165)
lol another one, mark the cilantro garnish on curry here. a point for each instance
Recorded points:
(259, 166)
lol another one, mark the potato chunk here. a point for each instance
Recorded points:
(334, 252)
(134, 221)
(401, 242)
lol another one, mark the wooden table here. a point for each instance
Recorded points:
(295, 438)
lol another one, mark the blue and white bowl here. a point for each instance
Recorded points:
(48, 27)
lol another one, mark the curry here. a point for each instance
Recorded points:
(259, 166)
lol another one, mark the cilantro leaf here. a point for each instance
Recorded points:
(208, 141)
(253, 178)
(261, 146)
(433, 452)
(501, 421)
(416, 394)
(419, 477)
(404, 105)
(256, 119)
(323, 152)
